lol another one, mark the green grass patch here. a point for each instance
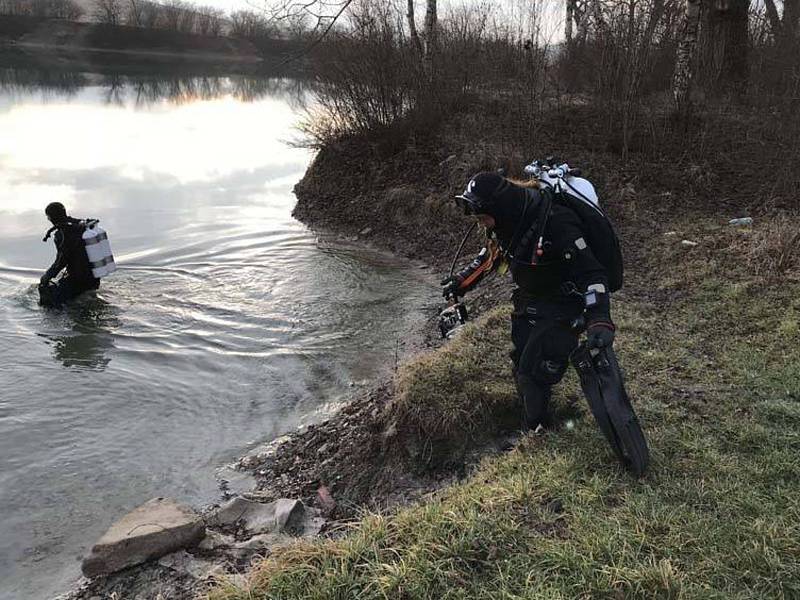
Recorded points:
(463, 391)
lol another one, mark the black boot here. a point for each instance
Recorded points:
(47, 296)
(535, 399)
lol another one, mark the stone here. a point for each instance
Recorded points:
(689, 243)
(313, 526)
(366, 231)
(184, 563)
(157, 528)
(261, 544)
(215, 541)
(274, 517)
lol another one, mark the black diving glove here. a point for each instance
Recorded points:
(451, 286)
(600, 334)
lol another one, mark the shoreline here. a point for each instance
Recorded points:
(54, 41)
(360, 457)
(272, 471)
(77, 52)
(367, 457)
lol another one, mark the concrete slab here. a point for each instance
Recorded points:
(157, 528)
(280, 516)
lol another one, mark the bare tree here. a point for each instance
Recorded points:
(784, 29)
(43, 9)
(431, 35)
(108, 12)
(687, 51)
(134, 12)
(209, 20)
(412, 27)
(187, 19)
(725, 46)
(571, 5)
(246, 24)
(172, 11)
(149, 14)
(428, 49)
(323, 15)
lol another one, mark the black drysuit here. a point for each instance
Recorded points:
(71, 255)
(549, 295)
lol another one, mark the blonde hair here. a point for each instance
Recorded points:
(531, 184)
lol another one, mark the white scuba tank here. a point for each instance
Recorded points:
(98, 249)
(575, 186)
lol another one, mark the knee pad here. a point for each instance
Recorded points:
(550, 372)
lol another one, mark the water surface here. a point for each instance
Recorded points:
(228, 323)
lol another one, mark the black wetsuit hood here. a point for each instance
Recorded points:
(514, 210)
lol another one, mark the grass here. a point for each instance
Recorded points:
(448, 399)
(715, 376)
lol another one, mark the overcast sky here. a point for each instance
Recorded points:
(230, 5)
(554, 8)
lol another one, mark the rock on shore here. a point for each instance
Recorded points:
(158, 527)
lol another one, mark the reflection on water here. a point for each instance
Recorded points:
(84, 338)
(146, 90)
(227, 324)
(45, 82)
(182, 90)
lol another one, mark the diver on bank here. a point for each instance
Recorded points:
(82, 252)
(553, 258)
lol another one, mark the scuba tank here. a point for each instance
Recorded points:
(564, 185)
(98, 249)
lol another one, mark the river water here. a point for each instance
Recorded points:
(227, 324)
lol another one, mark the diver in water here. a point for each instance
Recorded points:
(558, 279)
(71, 256)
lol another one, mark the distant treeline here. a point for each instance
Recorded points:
(176, 16)
(171, 15)
(50, 9)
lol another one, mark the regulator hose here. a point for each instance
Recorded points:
(461, 247)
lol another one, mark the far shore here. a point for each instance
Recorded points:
(52, 42)
(140, 53)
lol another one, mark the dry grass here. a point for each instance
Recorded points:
(461, 393)
(774, 248)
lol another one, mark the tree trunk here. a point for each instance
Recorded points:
(727, 41)
(774, 20)
(412, 27)
(656, 14)
(599, 21)
(570, 20)
(431, 35)
(791, 18)
(687, 49)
